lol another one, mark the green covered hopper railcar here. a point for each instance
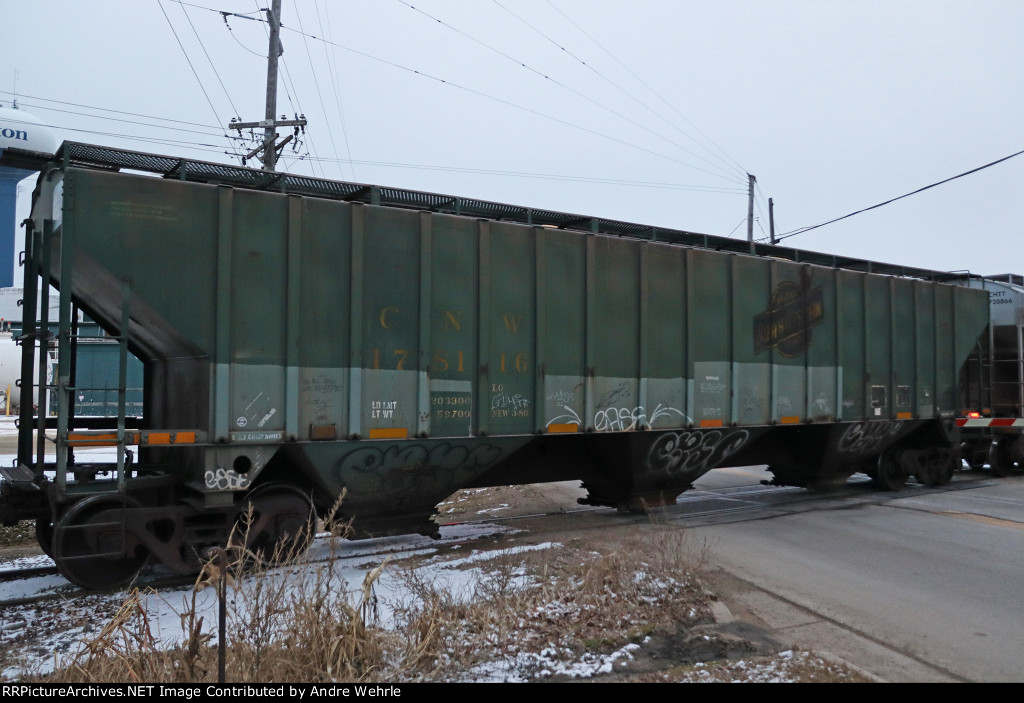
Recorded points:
(304, 338)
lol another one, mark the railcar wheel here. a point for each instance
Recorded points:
(1000, 456)
(891, 475)
(944, 473)
(277, 523)
(974, 456)
(927, 475)
(94, 548)
(44, 535)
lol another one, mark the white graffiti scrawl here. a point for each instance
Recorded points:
(869, 437)
(225, 480)
(694, 451)
(625, 419)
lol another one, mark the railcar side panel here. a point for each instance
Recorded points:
(752, 372)
(823, 367)
(401, 354)
(662, 350)
(329, 320)
(946, 351)
(924, 342)
(507, 370)
(297, 348)
(851, 348)
(452, 354)
(562, 322)
(708, 333)
(324, 305)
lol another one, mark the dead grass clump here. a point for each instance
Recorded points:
(304, 623)
(286, 621)
(530, 613)
(128, 650)
(310, 627)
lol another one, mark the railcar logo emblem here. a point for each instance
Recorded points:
(786, 324)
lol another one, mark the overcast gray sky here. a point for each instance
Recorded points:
(649, 111)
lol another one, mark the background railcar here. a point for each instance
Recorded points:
(992, 420)
(301, 338)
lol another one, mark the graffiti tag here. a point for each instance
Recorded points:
(225, 480)
(693, 451)
(562, 397)
(503, 400)
(625, 419)
(866, 437)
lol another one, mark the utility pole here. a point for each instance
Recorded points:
(273, 53)
(750, 211)
(270, 146)
(771, 220)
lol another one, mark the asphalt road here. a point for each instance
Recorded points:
(922, 585)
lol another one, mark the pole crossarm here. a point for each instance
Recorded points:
(265, 124)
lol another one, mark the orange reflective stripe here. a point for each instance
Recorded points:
(100, 439)
(389, 433)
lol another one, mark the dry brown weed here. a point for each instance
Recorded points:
(527, 611)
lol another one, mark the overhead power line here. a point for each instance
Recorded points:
(210, 60)
(590, 67)
(243, 15)
(795, 232)
(742, 170)
(316, 81)
(198, 79)
(546, 176)
(575, 92)
(724, 174)
(176, 143)
(507, 103)
(40, 106)
(105, 109)
(331, 59)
